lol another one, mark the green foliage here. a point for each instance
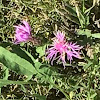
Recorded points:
(84, 32)
(7, 82)
(41, 50)
(39, 97)
(96, 35)
(25, 64)
(16, 63)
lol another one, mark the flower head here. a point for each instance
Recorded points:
(60, 48)
(22, 33)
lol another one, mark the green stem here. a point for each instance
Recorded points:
(83, 6)
(56, 86)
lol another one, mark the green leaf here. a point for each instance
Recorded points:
(80, 16)
(39, 97)
(71, 94)
(92, 93)
(65, 15)
(84, 32)
(45, 72)
(41, 50)
(23, 54)
(6, 73)
(70, 9)
(16, 63)
(7, 82)
(96, 35)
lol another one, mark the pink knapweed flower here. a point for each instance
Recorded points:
(23, 33)
(61, 48)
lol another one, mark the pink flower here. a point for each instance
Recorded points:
(22, 33)
(60, 48)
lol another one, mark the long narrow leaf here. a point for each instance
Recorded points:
(16, 63)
